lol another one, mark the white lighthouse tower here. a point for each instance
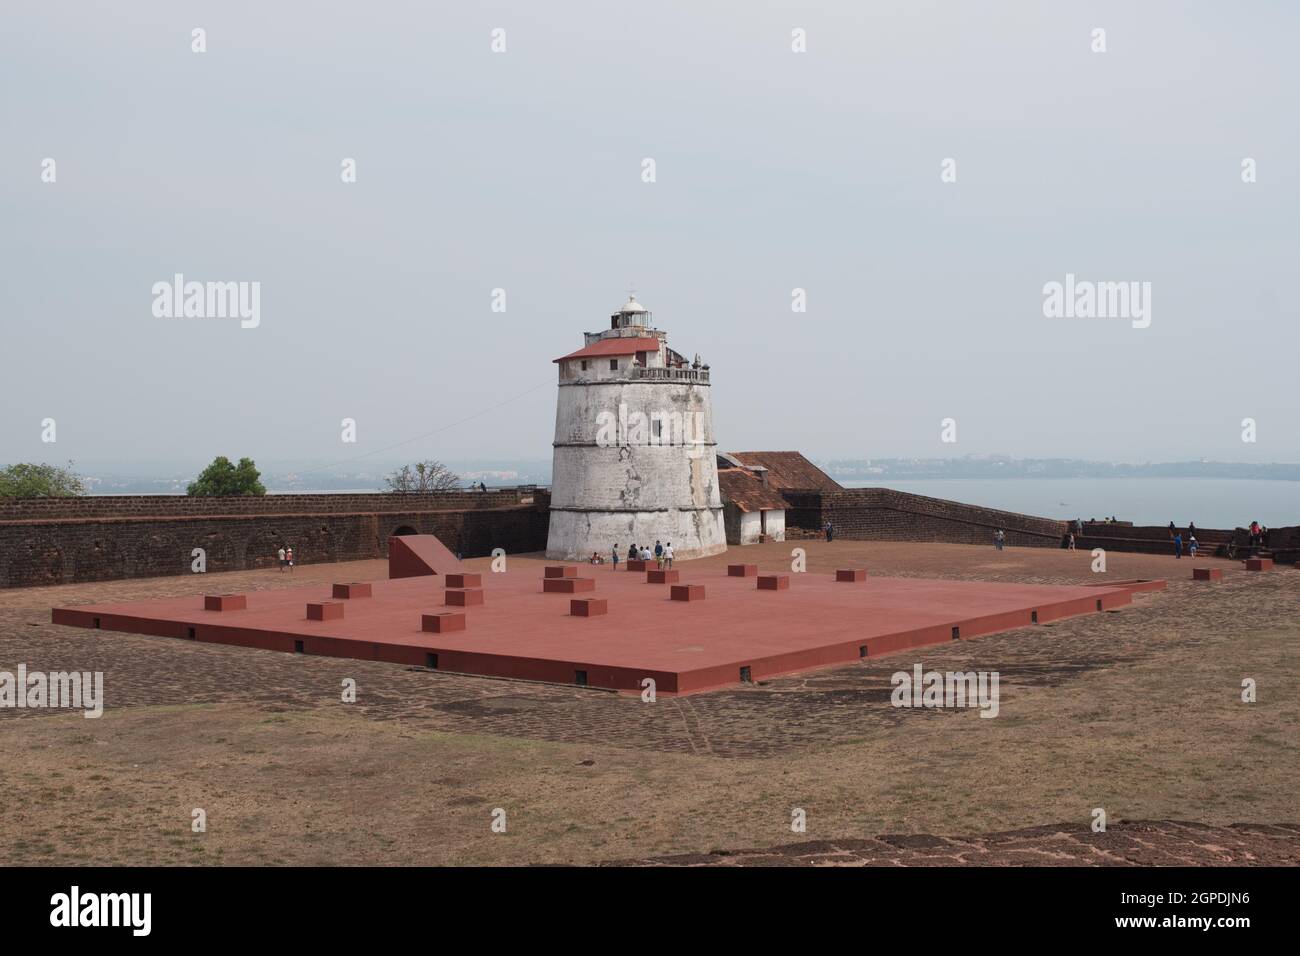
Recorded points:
(635, 460)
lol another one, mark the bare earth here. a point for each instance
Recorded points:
(1136, 712)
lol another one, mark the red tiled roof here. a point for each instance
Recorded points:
(745, 490)
(615, 346)
(788, 470)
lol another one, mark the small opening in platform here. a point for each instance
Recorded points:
(1033, 617)
(862, 651)
(94, 622)
(580, 678)
(1098, 604)
(956, 633)
(191, 634)
(431, 661)
(745, 678)
(297, 647)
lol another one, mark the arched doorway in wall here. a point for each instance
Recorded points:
(404, 529)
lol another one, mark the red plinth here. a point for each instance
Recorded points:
(464, 597)
(773, 582)
(688, 592)
(851, 574)
(225, 602)
(1207, 574)
(1259, 564)
(325, 611)
(520, 634)
(588, 607)
(346, 591)
(636, 564)
(568, 585)
(443, 621)
(560, 571)
(464, 580)
(666, 576)
(742, 570)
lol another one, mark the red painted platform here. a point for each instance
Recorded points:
(685, 646)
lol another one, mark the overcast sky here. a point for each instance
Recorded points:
(774, 170)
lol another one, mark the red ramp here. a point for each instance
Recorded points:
(419, 555)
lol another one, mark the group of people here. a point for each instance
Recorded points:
(662, 555)
(286, 558)
(1176, 537)
(1258, 535)
(999, 539)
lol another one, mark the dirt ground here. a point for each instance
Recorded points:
(1137, 712)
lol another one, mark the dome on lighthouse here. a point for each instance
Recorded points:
(632, 305)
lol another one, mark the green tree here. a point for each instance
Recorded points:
(27, 480)
(221, 479)
(423, 476)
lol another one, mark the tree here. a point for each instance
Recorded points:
(422, 477)
(27, 480)
(221, 479)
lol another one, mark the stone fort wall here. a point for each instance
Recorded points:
(887, 515)
(63, 540)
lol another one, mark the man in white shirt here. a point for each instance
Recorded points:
(668, 555)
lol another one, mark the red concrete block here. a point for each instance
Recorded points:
(850, 574)
(1259, 564)
(560, 571)
(636, 564)
(225, 602)
(345, 591)
(666, 576)
(742, 570)
(773, 582)
(688, 592)
(464, 597)
(1207, 574)
(325, 611)
(441, 622)
(464, 580)
(568, 585)
(588, 607)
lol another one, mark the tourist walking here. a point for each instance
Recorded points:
(615, 554)
(282, 560)
(668, 555)
(1070, 547)
(830, 531)
(1178, 545)
(1192, 545)
(288, 557)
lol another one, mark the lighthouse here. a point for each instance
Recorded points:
(635, 461)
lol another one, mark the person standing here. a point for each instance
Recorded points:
(830, 531)
(1178, 545)
(1071, 545)
(282, 559)
(1192, 545)
(668, 555)
(615, 553)
(288, 557)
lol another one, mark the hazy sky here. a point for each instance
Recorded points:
(775, 170)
